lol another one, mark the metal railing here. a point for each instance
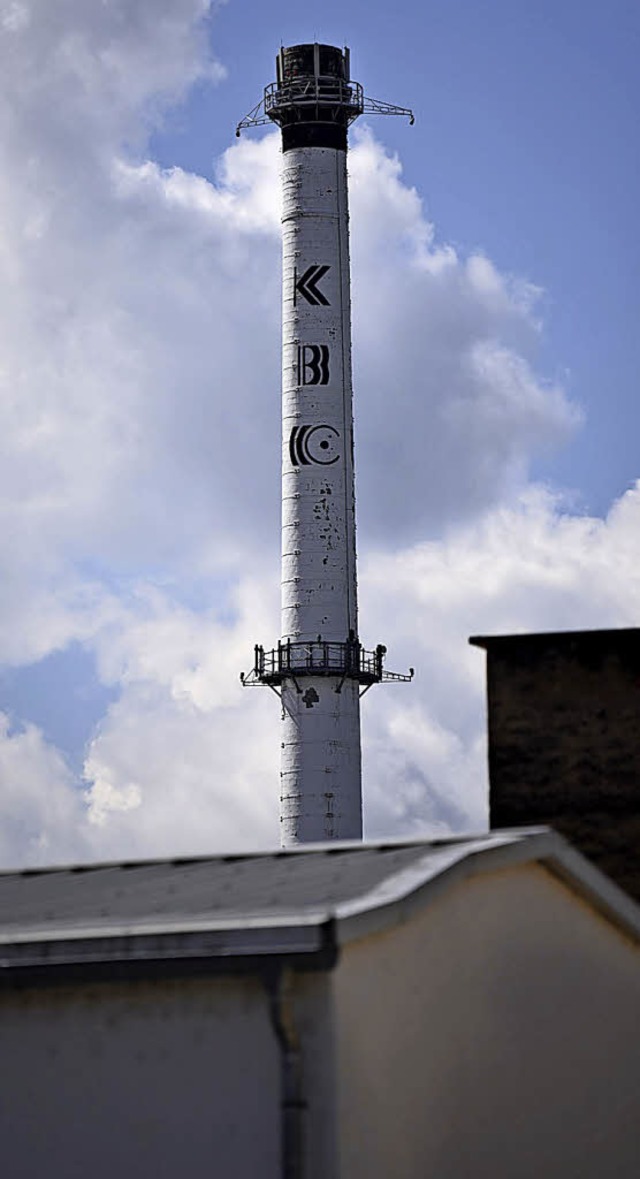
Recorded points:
(281, 98)
(319, 658)
(294, 660)
(316, 91)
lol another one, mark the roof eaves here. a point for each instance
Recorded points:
(400, 897)
(243, 923)
(594, 886)
(176, 954)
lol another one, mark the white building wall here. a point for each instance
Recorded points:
(117, 1081)
(314, 1019)
(494, 1034)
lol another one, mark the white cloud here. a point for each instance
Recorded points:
(527, 567)
(449, 407)
(42, 815)
(139, 440)
(185, 760)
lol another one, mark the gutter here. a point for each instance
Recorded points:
(279, 987)
(30, 961)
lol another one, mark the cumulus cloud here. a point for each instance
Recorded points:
(42, 813)
(526, 567)
(450, 407)
(184, 761)
(82, 85)
(139, 482)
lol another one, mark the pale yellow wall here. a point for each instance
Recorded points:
(495, 1034)
(166, 1080)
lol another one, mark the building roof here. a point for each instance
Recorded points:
(235, 912)
(617, 637)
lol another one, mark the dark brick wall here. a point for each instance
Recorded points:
(564, 741)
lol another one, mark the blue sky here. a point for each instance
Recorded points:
(495, 283)
(525, 147)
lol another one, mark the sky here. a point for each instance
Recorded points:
(495, 309)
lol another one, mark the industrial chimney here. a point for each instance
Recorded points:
(319, 669)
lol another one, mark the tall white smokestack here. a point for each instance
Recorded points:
(319, 667)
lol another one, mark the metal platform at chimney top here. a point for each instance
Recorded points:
(296, 660)
(327, 94)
